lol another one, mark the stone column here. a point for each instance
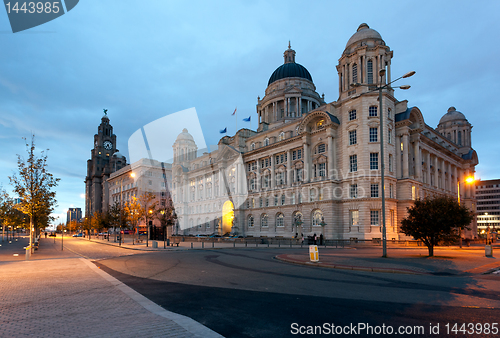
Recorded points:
(329, 174)
(273, 177)
(307, 159)
(428, 164)
(289, 168)
(418, 160)
(436, 172)
(286, 106)
(443, 175)
(405, 155)
(300, 107)
(454, 183)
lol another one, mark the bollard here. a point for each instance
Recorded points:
(213, 243)
(191, 245)
(28, 252)
(313, 253)
(203, 245)
(488, 251)
(234, 244)
(155, 245)
(245, 244)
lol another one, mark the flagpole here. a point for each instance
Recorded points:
(236, 121)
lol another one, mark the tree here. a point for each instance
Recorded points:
(166, 215)
(34, 185)
(436, 221)
(135, 212)
(117, 217)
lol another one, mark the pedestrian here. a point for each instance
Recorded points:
(315, 238)
(302, 239)
(321, 239)
(45, 234)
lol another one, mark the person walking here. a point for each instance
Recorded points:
(321, 239)
(315, 238)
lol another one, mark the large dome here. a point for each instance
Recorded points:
(452, 115)
(290, 69)
(364, 32)
(184, 136)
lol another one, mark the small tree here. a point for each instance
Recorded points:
(135, 212)
(436, 221)
(34, 186)
(149, 204)
(166, 215)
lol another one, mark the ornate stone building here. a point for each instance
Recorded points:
(104, 160)
(315, 167)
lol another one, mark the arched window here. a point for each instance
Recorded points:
(321, 148)
(369, 71)
(252, 146)
(459, 138)
(281, 136)
(280, 220)
(263, 220)
(250, 221)
(266, 141)
(317, 218)
(354, 73)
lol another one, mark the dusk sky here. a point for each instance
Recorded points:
(143, 60)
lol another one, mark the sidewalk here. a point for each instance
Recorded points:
(446, 262)
(58, 294)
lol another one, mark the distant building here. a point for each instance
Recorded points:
(73, 214)
(488, 206)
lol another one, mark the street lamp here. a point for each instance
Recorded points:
(381, 87)
(468, 179)
(121, 205)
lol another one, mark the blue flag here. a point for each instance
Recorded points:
(247, 120)
(223, 131)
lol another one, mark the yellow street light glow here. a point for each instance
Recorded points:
(132, 175)
(469, 179)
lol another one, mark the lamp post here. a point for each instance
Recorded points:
(121, 205)
(468, 179)
(380, 87)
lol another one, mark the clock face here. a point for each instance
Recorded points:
(108, 145)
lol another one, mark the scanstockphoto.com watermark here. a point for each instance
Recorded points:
(28, 14)
(414, 330)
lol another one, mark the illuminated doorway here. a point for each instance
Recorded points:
(227, 217)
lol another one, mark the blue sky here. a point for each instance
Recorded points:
(143, 60)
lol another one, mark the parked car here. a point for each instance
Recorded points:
(76, 235)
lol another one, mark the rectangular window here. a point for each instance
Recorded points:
(275, 200)
(322, 169)
(298, 175)
(253, 203)
(354, 217)
(391, 191)
(353, 191)
(413, 193)
(373, 134)
(369, 71)
(372, 111)
(392, 220)
(389, 136)
(267, 202)
(282, 199)
(390, 163)
(300, 197)
(354, 73)
(374, 217)
(294, 155)
(352, 115)
(312, 195)
(373, 161)
(293, 198)
(352, 137)
(321, 148)
(374, 190)
(260, 202)
(353, 163)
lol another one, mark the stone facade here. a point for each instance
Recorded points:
(314, 167)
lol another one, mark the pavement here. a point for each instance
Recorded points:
(59, 294)
(447, 261)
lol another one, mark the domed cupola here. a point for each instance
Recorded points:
(290, 68)
(365, 55)
(454, 126)
(184, 147)
(290, 93)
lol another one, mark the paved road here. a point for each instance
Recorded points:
(247, 293)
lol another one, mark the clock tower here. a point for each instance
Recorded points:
(105, 159)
